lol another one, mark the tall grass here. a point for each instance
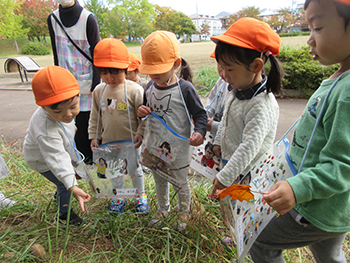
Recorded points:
(106, 237)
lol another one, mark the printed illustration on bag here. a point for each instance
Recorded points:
(247, 219)
(115, 170)
(203, 159)
(163, 149)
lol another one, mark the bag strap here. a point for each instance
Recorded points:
(71, 40)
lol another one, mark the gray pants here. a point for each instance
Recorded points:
(291, 231)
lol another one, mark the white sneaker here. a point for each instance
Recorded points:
(4, 202)
(156, 219)
(181, 222)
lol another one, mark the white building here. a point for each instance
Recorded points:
(215, 26)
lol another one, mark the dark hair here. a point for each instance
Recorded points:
(102, 160)
(166, 145)
(111, 70)
(185, 71)
(210, 146)
(342, 10)
(226, 53)
(54, 106)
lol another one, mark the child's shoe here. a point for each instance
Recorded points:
(228, 241)
(156, 219)
(4, 202)
(142, 204)
(181, 222)
(73, 219)
(117, 205)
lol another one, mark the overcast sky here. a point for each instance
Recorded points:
(214, 7)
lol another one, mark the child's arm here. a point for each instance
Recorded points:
(196, 139)
(80, 195)
(137, 140)
(281, 197)
(216, 186)
(143, 111)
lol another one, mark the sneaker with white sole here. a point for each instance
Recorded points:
(5, 202)
(141, 205)
(181, 222)
(157, 217)
(117, 205)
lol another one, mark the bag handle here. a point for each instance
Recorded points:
(71, 40)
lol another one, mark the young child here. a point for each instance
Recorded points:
(111, 57)
(160, 58)
(49, 146)
(314, 205)
(133, 70)
(247, 129)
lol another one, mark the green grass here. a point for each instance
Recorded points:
(104, 237)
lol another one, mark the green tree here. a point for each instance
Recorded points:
(203, 29)
(283, 21)
(11, 21)
(102, 15)
(250, 11)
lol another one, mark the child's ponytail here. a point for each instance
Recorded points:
(185, 71)
(274, 79)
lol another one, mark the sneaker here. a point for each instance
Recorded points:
(73, 219)
(117, 205)
(156, 219)
(4, 202)
(181, 222)
(142, 205)
(228, 241)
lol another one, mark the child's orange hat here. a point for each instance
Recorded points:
(111, 53)
(344, 2)
(135, 62)
(159, 51)
(251, 33)
(54, 84)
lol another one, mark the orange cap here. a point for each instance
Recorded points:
(344, 2)
(111, 53)
(54, 84)
(212, 55)
(159, 51)
(251, 33)
(135, 62)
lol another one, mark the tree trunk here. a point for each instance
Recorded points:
(16, 45)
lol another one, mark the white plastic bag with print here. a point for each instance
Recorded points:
(247, 219)
(115, 168)
(163, 150)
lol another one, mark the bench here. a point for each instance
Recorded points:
(25, 64)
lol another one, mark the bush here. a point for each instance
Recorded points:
(35, 48)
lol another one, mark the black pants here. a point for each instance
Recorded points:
(82, 137)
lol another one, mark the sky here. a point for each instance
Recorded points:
(214, 7)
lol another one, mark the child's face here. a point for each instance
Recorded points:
(132, 75)
(162, 79)
(220, 71)
(329, 40)
(208, 153)
(238, 76)
(113, 79)
(165, 149)
(66, 111)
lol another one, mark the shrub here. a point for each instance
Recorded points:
(35, 48)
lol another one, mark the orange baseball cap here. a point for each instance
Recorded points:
(251, 33)
(111, 53)
(159, 51)
(135, 62)
(344, 2)
(54, 84)
(212, 55)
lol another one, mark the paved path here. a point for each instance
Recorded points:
(18, 104)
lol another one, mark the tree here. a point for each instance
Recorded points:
(203, 29)
(102, 16)
(11, 20)
(283, 21)
(250, 11)
(35, 15)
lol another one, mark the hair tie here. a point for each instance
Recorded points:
(268, 53)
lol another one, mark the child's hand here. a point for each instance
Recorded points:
(216, 186)
(143, 111)
(281, 197)
(196, 139)
(217, 151)
(210, 121)
(137, 140)
(94, 144)
(81, 196)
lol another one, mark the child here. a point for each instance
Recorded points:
(49, 146)
(111, 58)
(314, 205)
(160, 58)
(133, 70)
(248, 127)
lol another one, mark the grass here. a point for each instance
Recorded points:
(104, 237)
